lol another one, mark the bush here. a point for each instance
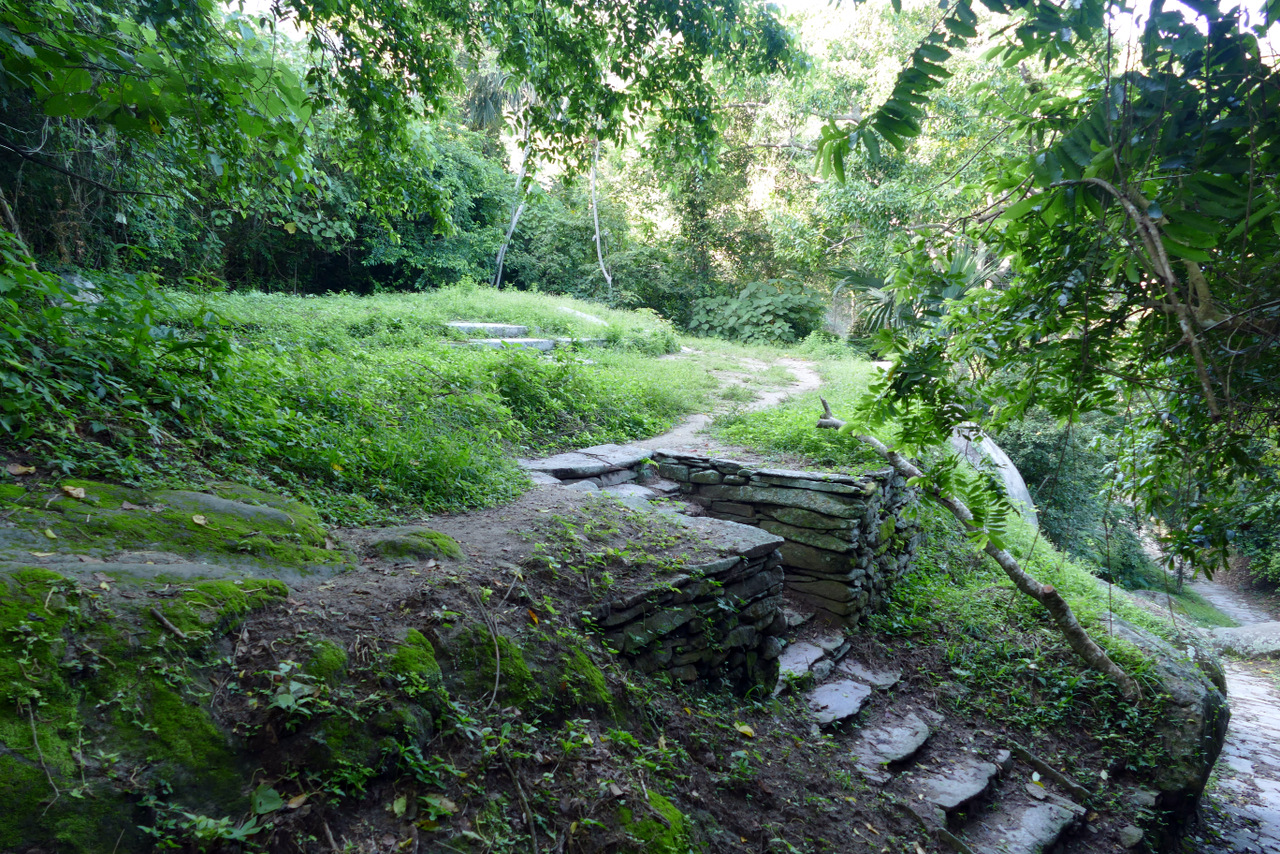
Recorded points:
(1065, 470)
(773, 311)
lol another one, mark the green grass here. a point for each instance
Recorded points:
(415, 320)
(789, 427)
(364, 407)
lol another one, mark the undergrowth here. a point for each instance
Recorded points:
(360, 406)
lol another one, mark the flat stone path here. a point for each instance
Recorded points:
(1244, 811)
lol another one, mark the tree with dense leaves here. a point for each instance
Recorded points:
(1141, 222)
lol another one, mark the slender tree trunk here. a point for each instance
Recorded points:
(1059, 611)
(517, 208)
(595, 214)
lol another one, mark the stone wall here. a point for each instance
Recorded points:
(718, 621)
(846, 538)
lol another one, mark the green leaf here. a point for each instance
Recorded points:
(266, 799)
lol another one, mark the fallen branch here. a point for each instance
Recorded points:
(1059, 611)
(164, 621)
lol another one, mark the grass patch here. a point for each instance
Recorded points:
(789, 427)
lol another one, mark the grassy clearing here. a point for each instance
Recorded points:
(414, 320)
(365, 407)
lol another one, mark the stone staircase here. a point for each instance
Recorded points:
(971, 791)
(504, 335)
(968, 790)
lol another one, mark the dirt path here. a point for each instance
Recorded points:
(690, 434)
(1243, 812)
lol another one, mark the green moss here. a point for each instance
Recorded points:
(416, 542)
(328, 662)
(416, 658)
(11, 492)
(218, 603)
(666, 835)
(194, 754)
(584, 682)
(516, 683)
(237, 521)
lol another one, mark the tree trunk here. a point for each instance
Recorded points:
(517, 208)
(595, 213)
(1059, 611)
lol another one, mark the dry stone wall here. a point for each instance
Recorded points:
(719, 621)
(846, 538)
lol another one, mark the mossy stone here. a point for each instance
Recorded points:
(250, 523)
(655, 836)
(416, 657)
(197, 760)
(219, 602)
(477, 661)
(416, 542)
(584, 683)
(328, 662)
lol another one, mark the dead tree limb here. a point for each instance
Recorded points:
(1048, 596)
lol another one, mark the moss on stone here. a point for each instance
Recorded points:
(655, 835)
(11, 492)
(516, 683)
(415, 542)
(249, 523)
(416, 657)
(584, 683)
(195, 757)
(218, 603)
(328, 662)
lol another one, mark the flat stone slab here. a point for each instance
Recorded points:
(588, 462)
(953, 787)
(797, 659)
(1257, 640)
(892, 742)
(882, 679)
(543, 479)
(488, 330)
(631, 492)
(1028, 828)
(837, 701)
(732, 537)
(590, 318)
(543, 344)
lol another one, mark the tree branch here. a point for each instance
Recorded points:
(14, 148)
(1059, 611)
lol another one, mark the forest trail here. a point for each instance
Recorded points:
(690, 434)
(1243, 811)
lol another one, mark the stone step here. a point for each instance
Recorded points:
(488, 330)
(541, 344)
(955, 786)
(895, 739)
(589, 462)
(837, 701)
(1030, 827)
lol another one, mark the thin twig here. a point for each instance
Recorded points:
(164, 621)
(35, 739)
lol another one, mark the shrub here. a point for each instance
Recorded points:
(773, 311)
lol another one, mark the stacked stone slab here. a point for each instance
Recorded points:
(717, 622)
(600, 466)
(847, 537)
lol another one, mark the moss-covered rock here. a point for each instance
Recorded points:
(328, 662)
(583, 684)
(473, 652)
(414, 541)
(229, 520)
(416, 659)
(666, 835)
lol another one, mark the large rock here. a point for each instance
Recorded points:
(1192, 725)
(983, 453)
(1258, 640)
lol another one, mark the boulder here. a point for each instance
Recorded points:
(1258, 640)
(1192, 724)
